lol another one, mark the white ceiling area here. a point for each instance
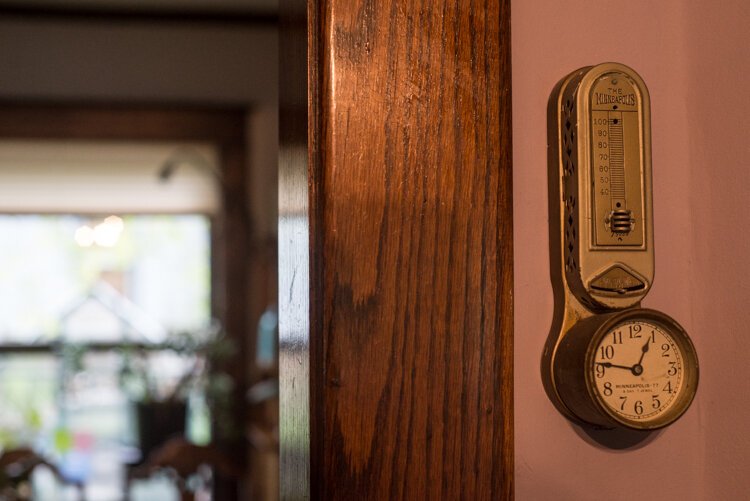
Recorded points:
(107, 177)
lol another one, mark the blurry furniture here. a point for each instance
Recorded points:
(16, 468)
(191, 467)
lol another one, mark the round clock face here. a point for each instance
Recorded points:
(643, 373)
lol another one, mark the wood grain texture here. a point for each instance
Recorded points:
(411, 241)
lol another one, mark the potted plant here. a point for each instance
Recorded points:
(160, 379)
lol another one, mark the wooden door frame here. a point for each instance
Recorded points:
(329, 48)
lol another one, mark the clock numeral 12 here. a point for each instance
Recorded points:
(635, 331)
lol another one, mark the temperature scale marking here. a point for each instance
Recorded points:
(616, 161)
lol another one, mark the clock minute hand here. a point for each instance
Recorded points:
(609, 365)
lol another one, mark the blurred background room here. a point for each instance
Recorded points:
(138, 327)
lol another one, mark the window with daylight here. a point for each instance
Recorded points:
(105, 299)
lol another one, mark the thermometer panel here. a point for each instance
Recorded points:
(616, 163)
(605, 181)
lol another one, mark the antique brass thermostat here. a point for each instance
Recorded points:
(608, 362)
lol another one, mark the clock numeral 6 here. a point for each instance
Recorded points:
(638, 407)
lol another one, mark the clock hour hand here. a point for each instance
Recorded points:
(643, 352)
(637, 369)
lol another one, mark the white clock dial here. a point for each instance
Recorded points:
(638, 371)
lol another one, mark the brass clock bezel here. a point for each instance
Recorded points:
(690, 368)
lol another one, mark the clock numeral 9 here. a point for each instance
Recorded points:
(599, 371)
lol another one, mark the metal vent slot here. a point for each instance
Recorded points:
(570, 167)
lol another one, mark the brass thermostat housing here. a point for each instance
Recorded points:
(597, 367)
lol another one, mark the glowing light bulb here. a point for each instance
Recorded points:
(107, 234)
(84, 236)
(115, 222)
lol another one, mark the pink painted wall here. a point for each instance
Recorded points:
(695, 58)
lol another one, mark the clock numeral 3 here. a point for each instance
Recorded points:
(672, 369)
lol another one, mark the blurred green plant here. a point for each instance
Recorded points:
(203, 351)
